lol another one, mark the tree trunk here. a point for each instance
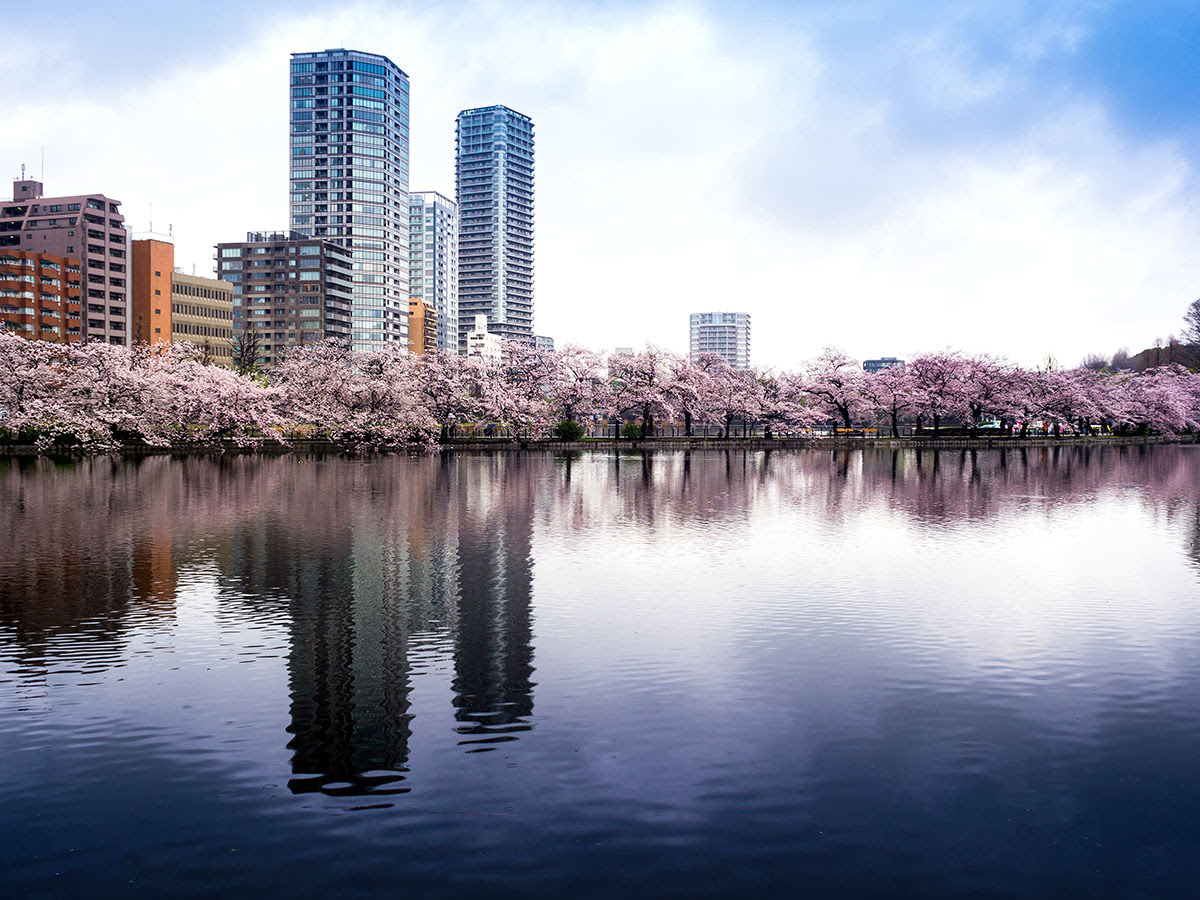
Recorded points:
(647, 423)
(687, 423)
(937, 423)
(895, 423)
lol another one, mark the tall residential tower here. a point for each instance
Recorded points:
(433, 262)
(494, 180)
(726, 334)
(349, 178)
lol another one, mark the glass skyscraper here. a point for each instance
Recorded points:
(349, 178)
(494, 180)
(433, 261)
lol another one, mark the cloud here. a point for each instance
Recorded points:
(886, 180)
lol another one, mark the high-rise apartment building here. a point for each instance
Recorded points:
(40, 296)
(202, 314)
(494, 182)
(543, 342)
(87, 227)
(349, 177)
(433, 261)
(726, 334)
(289, 289)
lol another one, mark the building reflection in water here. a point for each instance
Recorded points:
(387, 568)
(372, 559)
(493, 656)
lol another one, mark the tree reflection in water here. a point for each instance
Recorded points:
(383, 568)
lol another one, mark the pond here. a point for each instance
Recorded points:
(678, 674)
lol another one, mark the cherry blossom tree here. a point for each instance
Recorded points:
(517, 389)
(450, 389)
(99, 396)
(835, 386)
(888, 394)
(640, 385)
(577, 382)
(937, 387)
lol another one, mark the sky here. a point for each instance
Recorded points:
(884, 177)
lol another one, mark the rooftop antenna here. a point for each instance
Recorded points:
(151, 217)
(22, 171)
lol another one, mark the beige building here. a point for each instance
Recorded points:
(422, 327)
(202, 314)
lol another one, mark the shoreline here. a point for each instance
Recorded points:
(503, 445)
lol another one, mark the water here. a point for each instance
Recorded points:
(679, 675)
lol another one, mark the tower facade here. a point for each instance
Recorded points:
(349, 178)
(494, 182)
(433, 262)
(726, 334)
(288, 290)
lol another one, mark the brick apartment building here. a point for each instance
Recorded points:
(40, 296)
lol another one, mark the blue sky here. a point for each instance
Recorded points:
(1016, 178)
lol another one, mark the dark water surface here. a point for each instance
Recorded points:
(683, 674)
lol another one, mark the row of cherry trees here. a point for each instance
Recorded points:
(99, 395)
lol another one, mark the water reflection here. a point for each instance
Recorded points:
(744, 653)
(493, 642)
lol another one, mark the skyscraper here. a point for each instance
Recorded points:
(433, 261)
(726, 334)
(349, 177)
(494, 180)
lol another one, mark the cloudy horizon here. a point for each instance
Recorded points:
(1007, 178)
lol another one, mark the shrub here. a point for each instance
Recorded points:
(568, 430)
(632, 431)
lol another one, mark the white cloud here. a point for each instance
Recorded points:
(694, 158)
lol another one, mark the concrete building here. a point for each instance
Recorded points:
(872, 366)
(482, 343)
(726, 334)
(494, 183)
(422, 327)
(152, 260)
(433, 261)
(543, 342)
(87, 227)
(349, 178)
(289, 289)
(202, 314)
(40, 296)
